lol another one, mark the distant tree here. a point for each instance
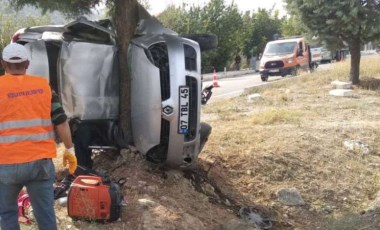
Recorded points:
(292, 26)
(349, 23)
(226, 22)
(125, 16)
(8, 24)
(216, 17)
(248, 49)
(263, 26)
(173, 17)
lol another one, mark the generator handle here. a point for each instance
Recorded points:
(88, 180)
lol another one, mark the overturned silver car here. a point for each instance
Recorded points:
(80, 60)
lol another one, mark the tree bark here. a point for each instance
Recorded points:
(126, 18)
(355, 60)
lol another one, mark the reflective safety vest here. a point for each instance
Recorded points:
(26, 130)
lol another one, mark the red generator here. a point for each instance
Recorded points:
(89, 198)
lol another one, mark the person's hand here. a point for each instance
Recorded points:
(70, 160)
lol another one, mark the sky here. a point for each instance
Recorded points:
(157, 6)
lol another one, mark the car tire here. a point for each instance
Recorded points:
(264, 78)
(204, 134)
(205, 41)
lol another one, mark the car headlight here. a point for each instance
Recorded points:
(290, 60)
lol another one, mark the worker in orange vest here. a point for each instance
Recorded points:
(28, 111)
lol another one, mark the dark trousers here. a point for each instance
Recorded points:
(86, 134)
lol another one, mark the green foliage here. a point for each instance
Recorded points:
(68, 7)
(338, 22)
(293, 26)
(244, 33)
(262, 27)
(8, 24)
(216, 17)
(174, 18)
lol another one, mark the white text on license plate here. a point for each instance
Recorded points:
(274, 70)
(183, 120)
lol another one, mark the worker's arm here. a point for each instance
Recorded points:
(57, 113)
(59, 119)
(64, 134)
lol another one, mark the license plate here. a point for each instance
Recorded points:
(184, 108)
(274, 70)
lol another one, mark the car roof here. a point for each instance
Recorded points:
(286, 40)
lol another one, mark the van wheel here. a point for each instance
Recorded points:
(295, 71)
(283, 75)
(312, 67)
(264, 78)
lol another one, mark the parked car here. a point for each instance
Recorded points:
(80, 60)
(326, 56)
(283, 57)
(316, 57)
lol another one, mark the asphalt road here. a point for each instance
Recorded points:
(234, 86)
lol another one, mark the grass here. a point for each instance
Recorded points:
(294, 137)
(276, 116)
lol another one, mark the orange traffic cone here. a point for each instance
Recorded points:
(215, 80)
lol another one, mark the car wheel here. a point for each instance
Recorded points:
(264, 78)
(205, 41)
(283, 75)
(204, 134)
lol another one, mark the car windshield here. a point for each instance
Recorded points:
(279, 48)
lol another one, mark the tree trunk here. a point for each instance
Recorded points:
(126, 17)
(355, 61)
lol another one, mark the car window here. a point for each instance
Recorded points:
(280, 48)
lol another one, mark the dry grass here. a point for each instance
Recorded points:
(294, 137)
(275, 116)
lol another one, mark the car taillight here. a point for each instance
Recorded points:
(15, 37)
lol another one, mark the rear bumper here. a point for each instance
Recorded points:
(277, 71)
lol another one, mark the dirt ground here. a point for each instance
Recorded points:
(292, 137)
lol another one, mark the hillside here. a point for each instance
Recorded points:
(293, 137)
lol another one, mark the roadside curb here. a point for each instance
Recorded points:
(248, 90)
(229, 74)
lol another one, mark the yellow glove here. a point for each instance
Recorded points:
(70, 159)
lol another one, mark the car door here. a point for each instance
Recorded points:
(87, 70)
